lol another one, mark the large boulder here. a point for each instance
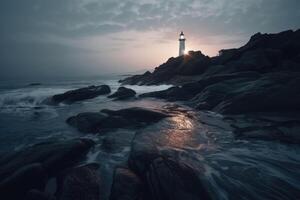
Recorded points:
(165, 169)
(126, 185)
(137, 114)
(22, 180)
(134, 117)
(167, 179)
(80, 94)
(87, 122)
(82, 182)
(39, 195)
(31, 167)
(123, 93)
(172, 94)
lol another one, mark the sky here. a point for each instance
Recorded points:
(50, 38)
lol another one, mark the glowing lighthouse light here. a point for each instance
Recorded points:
(181, 44)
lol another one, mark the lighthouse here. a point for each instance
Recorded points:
(181, 44)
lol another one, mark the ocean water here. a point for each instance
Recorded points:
(232, 169)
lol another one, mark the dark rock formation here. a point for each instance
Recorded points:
(164, 175)
(79, 183)
(126, 185)
(192, 64)
(110, 119)
(262, 76)
(172, 94)
(22, 180)
(273, 92)
(173, 180)
(188, 91)
(30, 168)
(282, 127)
(38, 195)
(80, 94)
(87, 122)
(263, 53)
(123, 93)
(137, 114)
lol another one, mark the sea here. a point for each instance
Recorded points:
(232, 168)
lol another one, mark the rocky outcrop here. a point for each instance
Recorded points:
(283, 126)
(190, 90)
(134, 117)
(194, 63)
(123, 93)
(80, 94)
(263, 53)
(31, 168)
(270, 93)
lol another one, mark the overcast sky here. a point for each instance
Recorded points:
(95, 37)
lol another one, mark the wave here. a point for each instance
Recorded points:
(26, 98)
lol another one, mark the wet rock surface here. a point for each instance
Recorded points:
(111, 119)
(123, 93)
(282, 127)
(80, 183)
(126, 185)
(80, 94)
(30, 168)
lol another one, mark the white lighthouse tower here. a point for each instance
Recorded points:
(181, 44)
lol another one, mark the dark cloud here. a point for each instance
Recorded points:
(38, 36)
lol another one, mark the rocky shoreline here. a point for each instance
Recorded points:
(255, 88)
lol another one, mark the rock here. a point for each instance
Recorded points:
(137, 114)
(87, 122)
(31, 176)
(271, 92)
(188, 91)
(277, 91)
(29, 168)
(136, 79)
(80, 94)
(123, 93)
(285, 131)
(38, 195)
(80, 183)
(192, 64)
(126, 185)
(169, 179)
(111, 119)
(171, 94)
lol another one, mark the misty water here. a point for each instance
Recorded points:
(232, 168)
